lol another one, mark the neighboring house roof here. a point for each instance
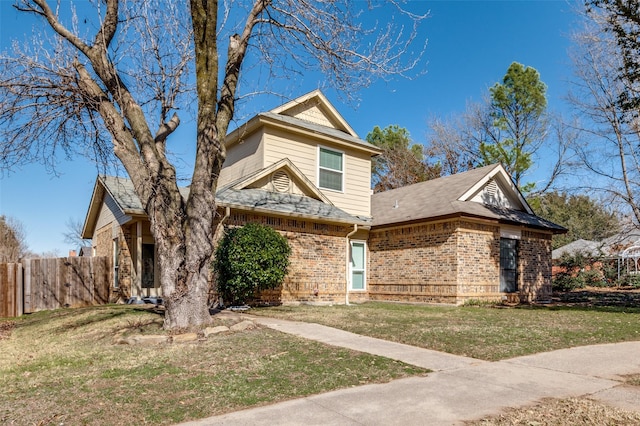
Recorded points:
(611, 246)
(588, 247)
(485, 192)
(85, 251)
(622, 240)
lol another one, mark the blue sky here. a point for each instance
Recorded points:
(470, 46)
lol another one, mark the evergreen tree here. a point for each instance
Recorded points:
(518, 125)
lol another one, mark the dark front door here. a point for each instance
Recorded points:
(508, 265)
(148, 262)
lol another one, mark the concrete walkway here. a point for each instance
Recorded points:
(459, 389)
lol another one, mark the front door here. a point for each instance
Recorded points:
(149, 287)
(508, 265)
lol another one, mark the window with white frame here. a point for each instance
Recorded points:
(331, 169)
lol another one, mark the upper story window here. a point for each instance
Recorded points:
(331, 169)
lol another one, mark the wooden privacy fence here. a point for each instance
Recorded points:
(40, 284)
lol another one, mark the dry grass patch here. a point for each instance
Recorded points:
(632, 379)
(63, 367)
(563, 412)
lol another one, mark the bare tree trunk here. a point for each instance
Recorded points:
(81, 96)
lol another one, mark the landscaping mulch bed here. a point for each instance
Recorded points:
(628, 297)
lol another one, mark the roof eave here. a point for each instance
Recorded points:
(90, 218)
(270, 212)
(448, 216)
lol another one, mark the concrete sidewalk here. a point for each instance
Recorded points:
(460, 388)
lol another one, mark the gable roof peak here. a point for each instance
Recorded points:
(315, 107)
(496, 175)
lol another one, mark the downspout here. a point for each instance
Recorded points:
(346, 281)
(227, 213)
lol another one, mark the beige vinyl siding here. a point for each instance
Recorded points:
(356, 198)
(303, 152)
(312, 114)
(243, 159)
(110, 213)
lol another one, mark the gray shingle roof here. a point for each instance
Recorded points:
(438, 198)
(283, 203)
(317, 128)
(122, 191)
(588, 247)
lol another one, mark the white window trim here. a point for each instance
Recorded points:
(318, 168)
(364, 269)
(116, 263)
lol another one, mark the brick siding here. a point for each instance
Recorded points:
(452, 262)
(415, 263)
(104, 247)
(317, 270)
(535, 266)
(478, 261)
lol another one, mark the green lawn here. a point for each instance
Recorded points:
(483, 332)
(64, 367)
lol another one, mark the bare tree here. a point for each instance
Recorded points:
(73, 234)
(13, 245)
(401, 162)
(608, 151)
(455, 144)
(115, 86)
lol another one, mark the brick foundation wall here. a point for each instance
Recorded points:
(317, 269)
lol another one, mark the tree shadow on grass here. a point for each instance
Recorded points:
(604, 299)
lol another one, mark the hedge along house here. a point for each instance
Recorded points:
(469, 236)
(301, 169)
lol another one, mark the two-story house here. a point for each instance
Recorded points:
(301, 169)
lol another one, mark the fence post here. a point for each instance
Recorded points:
(19, 290)
(26, 286)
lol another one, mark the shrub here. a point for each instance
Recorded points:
(632, 280)
(248, 259)
(593, 278)
(566, 282)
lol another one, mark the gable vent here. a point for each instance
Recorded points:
(280, 181)
(491, 189)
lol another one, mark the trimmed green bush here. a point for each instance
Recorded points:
(250, 258)
(566, 282)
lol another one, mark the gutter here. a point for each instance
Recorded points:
(346, 281)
